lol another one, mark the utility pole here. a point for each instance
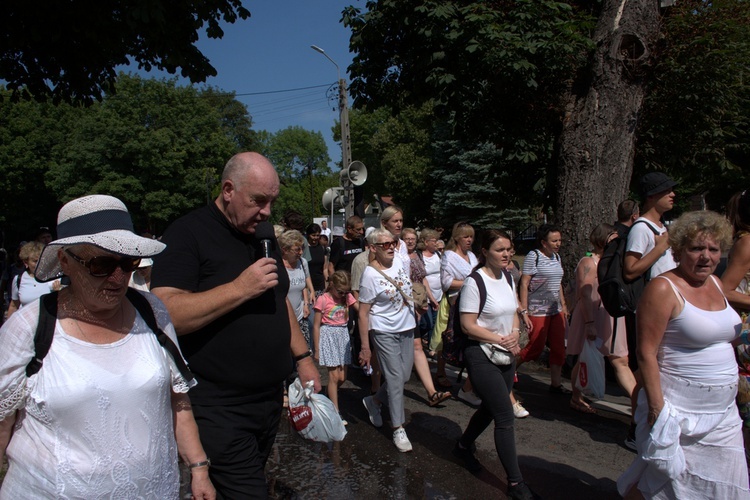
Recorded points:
(346, 145)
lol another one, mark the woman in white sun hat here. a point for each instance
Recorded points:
(106, 412)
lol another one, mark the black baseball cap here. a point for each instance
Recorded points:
(656, 182)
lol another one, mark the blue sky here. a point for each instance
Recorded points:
(271, 51)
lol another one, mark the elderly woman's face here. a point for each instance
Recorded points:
(464, 242)
(385, 249)
(411, 241)
(431, 244)
(97, 292)
(31, 263)
(395, 224)
(700, 257)
(293, 253)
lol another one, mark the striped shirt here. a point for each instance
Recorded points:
(544, 288)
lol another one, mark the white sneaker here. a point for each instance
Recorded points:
(373, 411)
(519, 411)
(401, 441)
(469, 397)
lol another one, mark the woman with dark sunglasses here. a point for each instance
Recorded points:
(107, 414)
(387, 318)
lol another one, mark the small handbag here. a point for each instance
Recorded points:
(496, 354)
(419, 296)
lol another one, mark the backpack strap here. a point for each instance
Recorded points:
(652, 228)
(143, 306)
(45, 331)
(482, 290)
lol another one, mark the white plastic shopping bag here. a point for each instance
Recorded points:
(313, 415)
(591, 373)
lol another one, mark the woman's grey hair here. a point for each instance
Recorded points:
(289, 239)
(693, 225)
(377, 233)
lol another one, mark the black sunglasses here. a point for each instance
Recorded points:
(103, 265)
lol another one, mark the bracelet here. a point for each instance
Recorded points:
(302, 356)
(515, 330)
(195, 465)
(523, 311)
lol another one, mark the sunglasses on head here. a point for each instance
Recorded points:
(386, 245)
(104, 265)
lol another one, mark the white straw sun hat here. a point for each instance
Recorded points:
(99, 220)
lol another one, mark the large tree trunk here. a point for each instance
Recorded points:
(597, 144)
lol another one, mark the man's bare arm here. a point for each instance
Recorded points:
(191, 311)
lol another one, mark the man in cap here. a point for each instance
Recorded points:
(237, 329)
(647, 252)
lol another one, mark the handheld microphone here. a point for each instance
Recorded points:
(264, 232)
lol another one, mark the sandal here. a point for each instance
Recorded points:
(438, 397)
(560, 389)
(443, 381)
(582, 406)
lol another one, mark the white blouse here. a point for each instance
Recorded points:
(96, 421)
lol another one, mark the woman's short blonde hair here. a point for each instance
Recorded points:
(428, 234)
(31, 249)
(291, 238)
(408, 230)
(698, 225)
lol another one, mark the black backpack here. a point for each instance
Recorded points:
(454, 338)
(619, 296)
(45, 331)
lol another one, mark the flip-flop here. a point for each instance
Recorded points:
(438, 397)
(444, 382)
(582, 407)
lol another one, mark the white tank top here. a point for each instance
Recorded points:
(696, 344)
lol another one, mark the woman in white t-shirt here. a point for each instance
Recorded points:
(492, 325)
(387, 317)
(25, 289)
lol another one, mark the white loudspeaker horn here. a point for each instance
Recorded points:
(333, 198)
(356, 174)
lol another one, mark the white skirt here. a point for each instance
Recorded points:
(695, 448)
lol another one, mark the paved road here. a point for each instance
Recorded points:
(563, 454)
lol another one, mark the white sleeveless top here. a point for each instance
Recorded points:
(696, 344)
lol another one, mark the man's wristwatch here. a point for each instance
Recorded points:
(204, 463)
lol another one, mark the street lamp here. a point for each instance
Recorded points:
(346, 147)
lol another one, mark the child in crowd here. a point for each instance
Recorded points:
(330, 333)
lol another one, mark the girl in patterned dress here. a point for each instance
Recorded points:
(330, 334)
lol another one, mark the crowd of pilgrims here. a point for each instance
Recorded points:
(680, 357)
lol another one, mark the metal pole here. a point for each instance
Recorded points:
(346, 145)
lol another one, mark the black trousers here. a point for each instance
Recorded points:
(238, 439)
(493, 384)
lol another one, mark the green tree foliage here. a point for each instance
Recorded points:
(158, 147)
(29, 132)
(69, 50)
(495, 71)
(295, 152)
(696, 119)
